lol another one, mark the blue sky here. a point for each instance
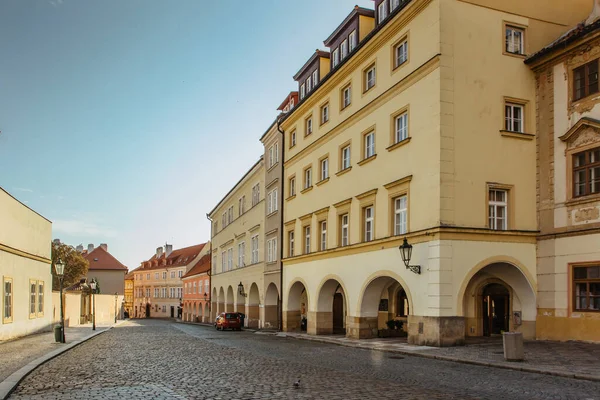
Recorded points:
(126, 121)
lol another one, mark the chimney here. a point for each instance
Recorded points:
(595, 15)
(79, 248)
(168, 249)
(56, 241)
(104, 246)
(159, 251)
(90, 247)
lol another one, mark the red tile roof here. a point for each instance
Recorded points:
(201, 267)
(179, 257)
(101, 259)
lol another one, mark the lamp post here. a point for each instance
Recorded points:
(60, 272)
(93, 287)
(406, 253)
(116, 295)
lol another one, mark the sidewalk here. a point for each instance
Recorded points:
(566, 359)
(22, 355)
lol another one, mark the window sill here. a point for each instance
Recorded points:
(399, 144)
(399, 67)
(308, 189)
(272, 167)
(323, 181)
(367, 160)
(517, 55)
(272, 213)
(307, 134)
(271, 262)
(290, 198)
(517, 135)
(580, 200)
(323, 123)
(344, 171)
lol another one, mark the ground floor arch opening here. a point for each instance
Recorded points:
(331, 309)
(221, 301)
(295, 317)
(230, 299)
(253, 308)
(271, 307)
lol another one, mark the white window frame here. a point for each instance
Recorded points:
(276, 147)
(344, 225)
(315, 77)
(346, 157)
(394, 4)
(230, 259)
(307, 178)
(272, 250)
(241, 254)
(325, 113)
(293, 139)
(370, 76)
(156, 275)
(302, 91)
(514, 44)
(381, 12)
(336, 57)
(369, 145)
(271, 156)
(400, 215)
(496, 223)
(292, 184)
(309, 127)
(344, 49)
(224, 261)
(401, 54)
(291, 243)
(7, 297)
(352, 42)
(307, 239)
(369, 221)
(172, 274)
(347, 96)
(510, 120)
(323, 235)
(308, 84)
(401, 127)
(324, 168)
(255, 249)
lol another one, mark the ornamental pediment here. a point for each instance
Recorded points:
(585, 131)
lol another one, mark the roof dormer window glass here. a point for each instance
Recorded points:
(336, 57)
(352, 40)
(381, 12)
(308, 84)
(302, 91)
(315, 77)
(291, 103)
(344, 48)
(393, 5)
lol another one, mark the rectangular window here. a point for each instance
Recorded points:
(400, 215)
(345, 158)
(308, 126)
(369, 77)
(401, 127)
(323, 236)
(164, 275)
(40, 308)
(229, 259)
(148, 292)
(369, 145)
(513, 117)
(306, 239)
(32, 298)
(315, 77)
(8, 300)
(344, 221)
(241, 254)
(272, 250)
(179, 274)
(308, 84)
(276, 151)
(148, 276)
(206, 288)
(224, 261)
(585, 80)
(515, 40)
(255, 194)
(346, 96)
(307, 178)
(164, 292)
(586, 173)
(291, 244)
(498, 207)
(156, 293)
(586, 288)
(336, 57)
(172, 274)
(292, 139)
(400, 53)
(292, 185)
(164, 308)
(156, 275)
(368, 223)
(381, 12)
(271, 157)
(352, 40)
(324, 168)
(394, 4)
(324, 113)
(344, 49)
(254, 249)
(302, 91)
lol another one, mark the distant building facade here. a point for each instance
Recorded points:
(105, 268)
(196, 292)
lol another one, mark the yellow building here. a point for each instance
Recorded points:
(423, 129)
(238, 243)
(128, 299)
(25, 265)
(568, 131)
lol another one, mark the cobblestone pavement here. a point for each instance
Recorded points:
(19, 352)
(163, 360)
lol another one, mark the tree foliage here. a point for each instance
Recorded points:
(76, 266)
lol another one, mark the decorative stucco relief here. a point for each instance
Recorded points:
(586, 135)
(585, 215)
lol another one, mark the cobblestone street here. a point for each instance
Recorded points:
(164, 360)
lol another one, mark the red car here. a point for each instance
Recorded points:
(228, 321)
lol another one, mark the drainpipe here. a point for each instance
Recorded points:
(210, 270)
(282, 197)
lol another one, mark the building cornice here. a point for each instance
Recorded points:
(24, 254)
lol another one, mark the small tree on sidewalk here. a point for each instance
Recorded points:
(75, 265)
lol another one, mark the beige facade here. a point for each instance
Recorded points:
(419, 145)
(25, 265)
(238, 243)
(128, 297)
(569, 186)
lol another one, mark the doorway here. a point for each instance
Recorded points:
(147, 310)
(496, 309)
(338, 314)
(172, 311)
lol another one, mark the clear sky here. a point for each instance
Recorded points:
(126, 121)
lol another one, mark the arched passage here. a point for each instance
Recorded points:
(200, 312)
(230, 300)
(221, 301)
(383, 299)
(207, 312)
(331, 308)
(271, 307)
(497, 298)
(240, 305)
(295, 317)
(252, 311)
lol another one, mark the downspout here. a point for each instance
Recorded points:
(282, 196)
(210, 310)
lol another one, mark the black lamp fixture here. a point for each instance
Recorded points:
(241, 290)
(60, 272)
(406, 253)
(205, 296)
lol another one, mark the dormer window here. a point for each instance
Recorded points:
(381, 12)
(344, 49)
(302, 91)
(353, 41)
(315, 77)
(292, 103)
(394, 4)
(336, 57)
(308, 84)
(585, 80)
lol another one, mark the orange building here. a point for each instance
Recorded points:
(196, 292)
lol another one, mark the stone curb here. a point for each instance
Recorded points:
(516, 367)
(9, 384)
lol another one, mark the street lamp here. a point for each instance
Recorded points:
(406, 253)
(60, 272)
(241, 290)
(93, 287)
(116, 295)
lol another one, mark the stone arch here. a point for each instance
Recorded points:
(240, 304)
(207, 312)
(296, 314)
(331, 306)
(230, 300)
(271, 307)
(221, 301)
(253, 309)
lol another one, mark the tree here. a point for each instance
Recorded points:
(76, 266)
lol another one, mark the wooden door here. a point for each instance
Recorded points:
(338, 314)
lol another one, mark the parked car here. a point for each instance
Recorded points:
(228, 321)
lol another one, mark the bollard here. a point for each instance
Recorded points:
(513, 346)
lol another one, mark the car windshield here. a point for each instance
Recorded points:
(230, 316)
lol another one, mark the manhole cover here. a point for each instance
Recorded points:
(396, 357)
